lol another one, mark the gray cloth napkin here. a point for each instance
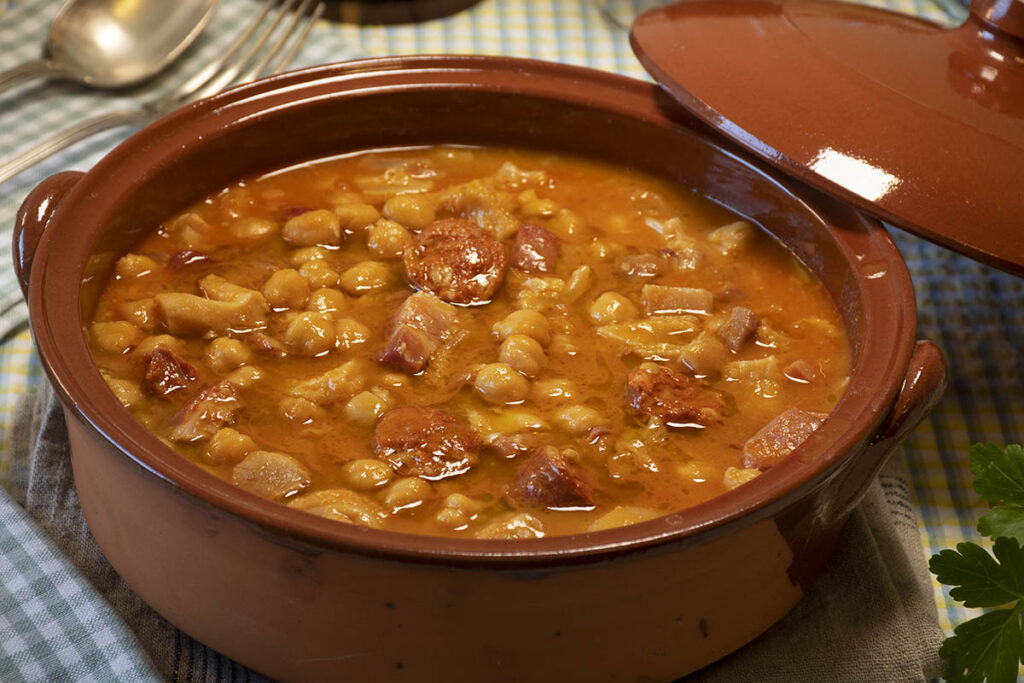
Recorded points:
(870, 618)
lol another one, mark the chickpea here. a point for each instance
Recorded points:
(141, 313)
(319, 273)
(387, 239)
(415, 211)
(126, 391)
(366, 277)
(558, 389)
(150, 344)
(735, 476)
(245, 376)
(365, 408)
(228, 446)
(350, 333)
(300, 256)
(579, 419)
(498, 383)
(356, 215)
(523, 353)
(527, 322)
(458, 510)
(253, 229)
(567, 225)
(612, 307)
(312, 227)
(300, 410)
(224, 354)
(406, 493)
(326, 300)
(118, 336)
(135, 265)
(310, 333)
(367, 474)
(286, 288)
(532, 205)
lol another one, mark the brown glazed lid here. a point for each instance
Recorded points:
(918, 125)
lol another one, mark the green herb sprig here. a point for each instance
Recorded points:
(990, 647)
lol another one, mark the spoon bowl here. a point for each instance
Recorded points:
(109, 44)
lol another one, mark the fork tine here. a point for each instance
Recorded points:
(282, 63)
(201, 77)
(258, 68)
(231, 72)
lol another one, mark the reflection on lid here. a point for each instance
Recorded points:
(856, 175)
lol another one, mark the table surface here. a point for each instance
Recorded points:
(974, 312)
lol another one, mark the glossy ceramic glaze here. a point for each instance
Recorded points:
(304, 598)
(918, 125)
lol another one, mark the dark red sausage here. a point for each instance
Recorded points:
(168, 374)
(457, 261)
(552, 480)
(660, 392)
(535, 249)
(425, 442)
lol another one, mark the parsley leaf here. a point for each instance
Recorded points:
(984, 649)
(979, 580)
(1003, 521)
(1000, 473)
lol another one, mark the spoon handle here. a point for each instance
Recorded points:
(68, 137)
(41, 68)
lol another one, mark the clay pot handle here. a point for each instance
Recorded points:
(923, 387)
(1006, 16)
(33, 217)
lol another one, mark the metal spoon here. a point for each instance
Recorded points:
(114, 44)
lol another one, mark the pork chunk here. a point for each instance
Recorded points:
(780, 437)
(738, 328)
(535, 249)
(550, 479)
(168, 374)
(420, 325)
(657, 391)
(209, 410)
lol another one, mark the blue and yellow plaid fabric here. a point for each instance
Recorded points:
(974, 312)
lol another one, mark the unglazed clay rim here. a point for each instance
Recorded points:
(889, 316)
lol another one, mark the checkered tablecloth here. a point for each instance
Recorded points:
(974, 312)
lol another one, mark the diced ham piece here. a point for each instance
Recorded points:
(738, 328)
(662, 299)
(780, 437)
(800, 371)
(657, 391)
(420, 325)
(209, 410)
(643, 265)
(551, 480)
(535, 249)
(418, 441)
(167, 374)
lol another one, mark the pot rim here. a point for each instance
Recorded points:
(886, 338)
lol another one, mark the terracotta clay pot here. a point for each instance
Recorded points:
(303, 598)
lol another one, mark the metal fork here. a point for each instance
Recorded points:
(240, 63)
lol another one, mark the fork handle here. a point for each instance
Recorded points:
(68, 137)
(42, 68)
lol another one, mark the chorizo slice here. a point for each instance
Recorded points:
(657, 391)
(457, 261)
(780, 437)
(551, 480)
(168, 374)
(535, 249)
(420, 441)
